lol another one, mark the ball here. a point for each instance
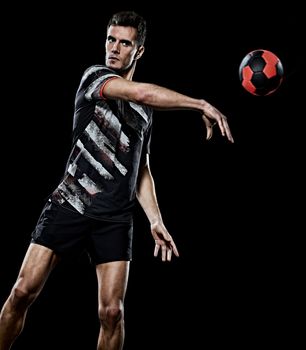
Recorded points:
(261, 72)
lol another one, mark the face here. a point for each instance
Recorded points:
(120, 47)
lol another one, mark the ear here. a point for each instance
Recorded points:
(139, 52)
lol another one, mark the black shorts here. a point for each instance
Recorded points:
(69, 233)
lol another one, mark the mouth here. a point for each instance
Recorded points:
(113, 58)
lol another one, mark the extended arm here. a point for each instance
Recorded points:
(146, 196)
(159, 97)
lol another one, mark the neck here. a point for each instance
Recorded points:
(128, 74)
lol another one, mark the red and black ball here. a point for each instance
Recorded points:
(261, 72)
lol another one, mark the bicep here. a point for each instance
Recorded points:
(121, 88)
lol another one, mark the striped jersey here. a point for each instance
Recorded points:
(110, 141)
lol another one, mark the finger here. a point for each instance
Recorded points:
(228, 133)
(164, 252)
(169, 254)
(175, 251)
(206, 121)
(222, 128)
(225, 130)
(156, 249)
(209, 130)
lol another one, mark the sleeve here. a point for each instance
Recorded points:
(95, 80)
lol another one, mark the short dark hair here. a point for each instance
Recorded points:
(130, 19)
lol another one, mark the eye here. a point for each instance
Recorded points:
(110, 39)
(126, 43)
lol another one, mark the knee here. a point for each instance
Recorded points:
(22, 295)
(111, 315)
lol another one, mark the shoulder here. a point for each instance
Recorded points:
(95, 71)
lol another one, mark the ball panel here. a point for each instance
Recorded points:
(257, 64)
(269, 57)
(280, 69)
(257, 53)
(269, 87)
(247, 84)
(270, 70)
(259, 80)
(247, 73)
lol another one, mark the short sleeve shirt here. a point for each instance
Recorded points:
(110, 141)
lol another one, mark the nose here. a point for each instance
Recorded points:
(115, 47)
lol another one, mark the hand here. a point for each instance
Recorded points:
(163, 242)
(213, 116)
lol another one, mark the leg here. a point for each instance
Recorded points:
(36, 266)
(112, 283)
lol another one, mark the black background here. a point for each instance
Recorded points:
(230, 207)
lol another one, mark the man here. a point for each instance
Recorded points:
(107, 170)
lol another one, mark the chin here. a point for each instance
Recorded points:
(113, 65)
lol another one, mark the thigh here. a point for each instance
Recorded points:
(112, 281)
(37, 264)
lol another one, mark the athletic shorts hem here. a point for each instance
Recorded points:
(105, 261)
(46, 245)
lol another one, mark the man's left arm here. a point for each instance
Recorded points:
(147, 198)
(159, 97)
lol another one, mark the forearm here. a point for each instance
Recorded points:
(146, 196)
(162, 98)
